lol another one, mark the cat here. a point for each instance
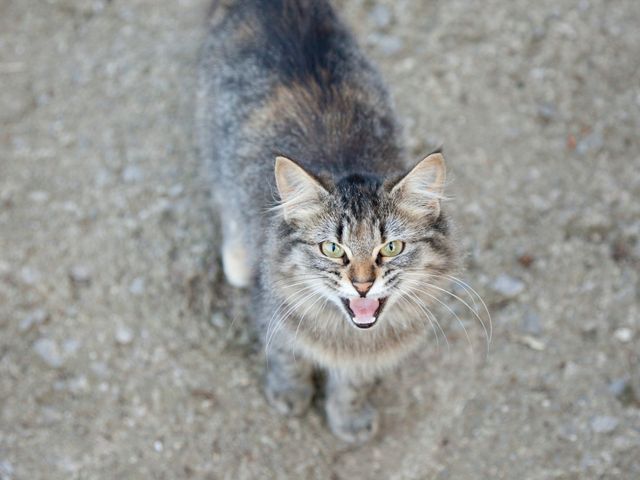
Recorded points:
(343, 247)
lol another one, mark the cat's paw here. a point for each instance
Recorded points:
(289, 400)
(353, 426)
(236, 266)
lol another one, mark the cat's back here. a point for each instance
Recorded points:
(286, 77)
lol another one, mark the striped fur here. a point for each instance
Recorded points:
(286, 78)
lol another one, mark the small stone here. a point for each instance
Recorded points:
(124, 335)
(49, 352)
(546, 112)
(176, 190)
(137, 287)
(388, 44)
(532, 343)
(526, 260)
(30, 276)
(604, 424)
(623, 335)
(39, 196)
(591, 142)
(70, 346)
(102, 178)
(508, 286)
(531, 323)
(132, 174)
(33, 319)
(80, 275)
(618, 386)
(78, 384)
(381, 16)
(158, 446)
(6, 470)
(217, 320)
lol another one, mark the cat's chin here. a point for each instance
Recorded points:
(367, 321)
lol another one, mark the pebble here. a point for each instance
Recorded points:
(532, 343)
(531, 323)
(78, 384)
(623, 335)
(102, 178)
(124, 335)
(546, 112)
(217, 320)
(33, 319)
(49, 352)
(604, 424)
(380, 16)
(176, 190)
(618, 386)
(39, 196)
(80, 274)
(508, 286)
(6, 470)
(30, 276)
(388, 44)
(137, 287)
(132, 174)
(591, 142)
(70, 346)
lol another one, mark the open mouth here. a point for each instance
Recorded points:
(364, 312)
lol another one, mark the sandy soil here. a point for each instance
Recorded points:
(124, 355)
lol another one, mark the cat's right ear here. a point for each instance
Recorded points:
(300, 193)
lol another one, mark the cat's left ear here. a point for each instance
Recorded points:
(420, 191)
(300, 193)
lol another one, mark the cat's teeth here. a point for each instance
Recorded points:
(364, 320)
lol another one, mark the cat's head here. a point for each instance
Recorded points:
(368, 245)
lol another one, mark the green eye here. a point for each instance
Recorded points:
(331, 249)
(392, 249)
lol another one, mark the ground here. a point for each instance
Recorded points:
(123, 354)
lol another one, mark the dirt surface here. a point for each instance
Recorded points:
(124, 355)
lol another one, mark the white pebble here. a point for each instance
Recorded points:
(623, 335)
(39, 196)
(49, 352)
(80, 274)
(604, 424)
(132, 173)
(33, 319)
(137, 287)
(124, 335)
(508, 286)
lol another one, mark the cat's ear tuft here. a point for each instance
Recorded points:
(420, 191)
(300, 193)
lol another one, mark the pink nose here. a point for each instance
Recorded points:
(362, 287)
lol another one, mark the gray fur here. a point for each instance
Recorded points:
(284, 77)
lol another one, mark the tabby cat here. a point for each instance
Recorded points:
(343, 246)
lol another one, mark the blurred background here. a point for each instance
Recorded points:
(124, 355)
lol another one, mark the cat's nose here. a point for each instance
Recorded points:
(362, 287)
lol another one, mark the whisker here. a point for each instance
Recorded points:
(475, 313)
(448, 308)
(404, 298)
(430, 315)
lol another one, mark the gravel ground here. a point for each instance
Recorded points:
(124, 355)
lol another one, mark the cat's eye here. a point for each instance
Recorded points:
(332, 249)
(392, 249)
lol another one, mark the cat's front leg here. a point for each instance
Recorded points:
(350, 415)
(288, 381)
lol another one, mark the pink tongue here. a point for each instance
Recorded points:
(364, 309)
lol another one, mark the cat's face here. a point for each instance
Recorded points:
(366, 246)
